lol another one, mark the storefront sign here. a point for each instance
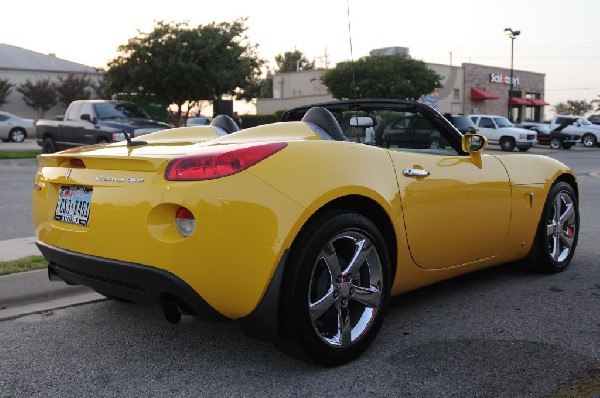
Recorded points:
(503, 79)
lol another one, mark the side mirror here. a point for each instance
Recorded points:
(88, 118)
(472, 143)
(361, 121)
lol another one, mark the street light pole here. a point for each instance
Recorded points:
(512, 34)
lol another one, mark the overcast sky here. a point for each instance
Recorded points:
(558, 38)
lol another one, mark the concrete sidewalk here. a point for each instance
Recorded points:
(31, 292)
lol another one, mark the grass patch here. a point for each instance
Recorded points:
(19, 154)
(23, 264)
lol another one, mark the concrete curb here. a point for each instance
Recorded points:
(30, 292)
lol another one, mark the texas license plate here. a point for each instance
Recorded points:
(73, 205)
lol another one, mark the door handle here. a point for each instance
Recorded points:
(415, 173)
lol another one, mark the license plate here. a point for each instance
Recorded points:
(73, 205)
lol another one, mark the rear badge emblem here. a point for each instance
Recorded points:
(119, 179)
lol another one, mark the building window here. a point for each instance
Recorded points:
(456, 94)
(533, 113)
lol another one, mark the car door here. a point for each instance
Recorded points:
(458, 213)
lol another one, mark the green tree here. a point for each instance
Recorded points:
(596, 103)
(574, 107)
(262, 87)
(40, 95)
(386, 76)
(5, 90)
(258, 87)
(73, 88)
(292, 61)
(176, 63)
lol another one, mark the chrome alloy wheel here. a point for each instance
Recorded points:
(561, 227)
(345, 289)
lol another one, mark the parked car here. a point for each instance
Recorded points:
(15, 129)
(291, 228)
(572, 124)
(88, 122)
(410, 130)
(198, 121)
(499, 130)
(555, 139)
(463, 123)
(595, 119)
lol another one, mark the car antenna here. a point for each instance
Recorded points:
(354, 88)
(130, 142)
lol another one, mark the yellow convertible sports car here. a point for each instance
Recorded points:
(301, 229)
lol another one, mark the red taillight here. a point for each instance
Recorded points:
(77, 163)
(220, 162)
(185, 221)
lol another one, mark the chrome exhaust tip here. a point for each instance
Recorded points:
(175, 314)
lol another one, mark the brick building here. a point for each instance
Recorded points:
(466, 89)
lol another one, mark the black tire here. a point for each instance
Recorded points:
(566, 146)
(103, 141)
(507, 144)
(524, 149)
(48, 145)
(555, 143)
(589, 140)
(17, 135)
(331, 311)
(557, 232)
(435, 144)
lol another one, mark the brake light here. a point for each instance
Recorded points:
(220, 162)
(77, 163)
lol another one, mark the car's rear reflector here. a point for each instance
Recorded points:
(219, 162)
(185, 221)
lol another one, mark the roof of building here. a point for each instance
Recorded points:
(17, 58)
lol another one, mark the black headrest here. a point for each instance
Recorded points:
(226, 123)
(325, 120)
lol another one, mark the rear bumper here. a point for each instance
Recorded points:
(129, 281)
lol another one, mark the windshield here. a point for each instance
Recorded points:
(503, 122)
(119, 110)
(584, 122)
(543, 129)
(462, 122)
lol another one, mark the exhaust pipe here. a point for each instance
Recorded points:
(175, 314)
(52, 275)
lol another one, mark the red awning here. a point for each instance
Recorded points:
(480, 93)
(538, 102)
(520, 101)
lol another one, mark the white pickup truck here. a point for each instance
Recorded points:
(499, 130)
(577, 125)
